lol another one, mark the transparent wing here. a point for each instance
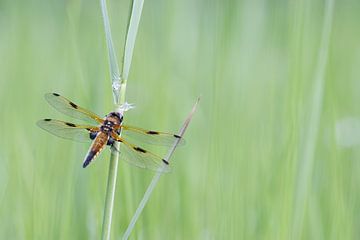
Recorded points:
(80, 133)
(71, 109)
(151, 137)
(140, 157)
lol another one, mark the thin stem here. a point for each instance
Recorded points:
(110, 195)
(157, 176)
(111, 184)
(119, 90)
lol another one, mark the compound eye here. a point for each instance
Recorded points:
(115, 114)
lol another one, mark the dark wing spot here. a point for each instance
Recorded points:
(152, 132)
(139, 149)
(166, 162)
(177, 136)
(70, 124)
(47, 119)
(55, 94)
(73, 105)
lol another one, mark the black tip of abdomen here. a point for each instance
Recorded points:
(88, 159)
(85, 164)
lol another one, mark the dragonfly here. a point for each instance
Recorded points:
(107, 131)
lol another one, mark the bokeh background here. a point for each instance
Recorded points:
(273, 151)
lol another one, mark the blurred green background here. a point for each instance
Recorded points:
(267, 155)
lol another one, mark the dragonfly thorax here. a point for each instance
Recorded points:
(107, 126)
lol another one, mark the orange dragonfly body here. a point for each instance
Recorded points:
(106, 131)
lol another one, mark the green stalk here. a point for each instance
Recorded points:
(110, 194)
(111, 184)
(119, 90)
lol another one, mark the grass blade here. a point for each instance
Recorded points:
(133, 26)
(114, 67)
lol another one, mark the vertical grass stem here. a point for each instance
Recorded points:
(119, 90)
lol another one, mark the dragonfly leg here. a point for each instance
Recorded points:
(110, 141)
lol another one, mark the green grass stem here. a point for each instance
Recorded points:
(119, 91)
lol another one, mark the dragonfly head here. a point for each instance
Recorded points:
(116, 115)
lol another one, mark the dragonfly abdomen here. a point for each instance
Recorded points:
(98, 145)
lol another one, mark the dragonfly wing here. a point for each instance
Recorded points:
(151, 137)
(80, 133)
(71, 109)
(140, 157)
